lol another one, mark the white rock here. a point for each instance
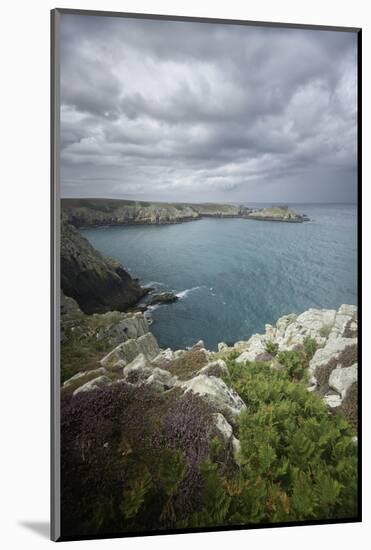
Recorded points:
(222, 346)
(161, 380)
(255, 346)
(341, 379)
(350, 310)
(223, 426)
(236, 449)
(127, 351)
(81, 375)
(94, 384)
(332, 401)
(332, 350)
(217, 393)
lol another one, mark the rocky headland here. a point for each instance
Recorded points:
(107, 212)
(97, 283)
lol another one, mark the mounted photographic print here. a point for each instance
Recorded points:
(206, 188)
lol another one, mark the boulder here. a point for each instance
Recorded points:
(82, 377)
(129, 350)
(264, 357)
(332, 400)
(161, 380)
(94, 384)
(217, 393)
(341, 379)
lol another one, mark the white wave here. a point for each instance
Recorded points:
(154, 283)
(185, 292)
(153, 307)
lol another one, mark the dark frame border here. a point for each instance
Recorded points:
(55, 527)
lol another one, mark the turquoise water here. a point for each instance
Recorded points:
(233, 276)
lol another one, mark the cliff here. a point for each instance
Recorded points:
(97, 212)
(254, 433)
(97, 284)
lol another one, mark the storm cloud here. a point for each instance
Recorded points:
(169, 110)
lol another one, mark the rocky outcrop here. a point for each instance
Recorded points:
(97, 284)
(277, 213)
(86, 339)
(332, 371)
(162, 298)
(129, 350)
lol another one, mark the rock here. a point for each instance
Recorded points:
(349, 310)
(162, 298)
(116, 331)
(161, 380)
(217, 393)
(164, 358)
(332, 351)
(129, 350)
(138, 370)
(226, 431)
(236, 449)
(216, 368)
(96, 283)
(84, 376)
(222, 346)
(332, 400)
(94, 384)
(198, 345)
(264, 357)
(223, 426)
(341, 379)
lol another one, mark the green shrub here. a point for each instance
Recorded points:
(272, 348)
(295, 362)
(310, 347)
(298, 462)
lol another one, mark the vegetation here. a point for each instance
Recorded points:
(272, 348)
(310, 347)
(134, 459)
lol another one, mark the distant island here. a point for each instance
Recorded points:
(98, 212)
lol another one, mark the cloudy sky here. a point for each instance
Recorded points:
(173, 111)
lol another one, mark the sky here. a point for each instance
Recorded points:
(184, 111)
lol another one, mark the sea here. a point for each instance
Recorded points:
(232, 276)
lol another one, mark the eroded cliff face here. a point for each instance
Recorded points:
(98, 284)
